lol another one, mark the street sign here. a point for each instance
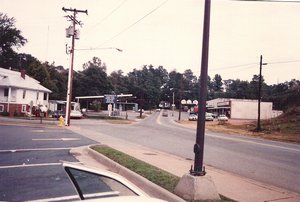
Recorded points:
(109, 99)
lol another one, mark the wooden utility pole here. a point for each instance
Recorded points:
(258, 127)
(72, 31)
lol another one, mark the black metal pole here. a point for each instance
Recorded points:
(199, 170)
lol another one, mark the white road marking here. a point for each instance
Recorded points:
(30, 165)
(34, 149)
(56, 139)
(253, 142)
(38, 131)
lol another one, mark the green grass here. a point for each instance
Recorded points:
(152, 173)
(156, 175)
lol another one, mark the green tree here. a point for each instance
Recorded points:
(59, 81)
(119, 82)
(217, 83)
(92, 81)
(146, 84)
(10, 38)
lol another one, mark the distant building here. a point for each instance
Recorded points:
(241, 108)
(19, 93)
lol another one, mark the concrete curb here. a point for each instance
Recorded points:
(146, 185)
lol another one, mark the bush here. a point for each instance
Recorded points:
(4, 113)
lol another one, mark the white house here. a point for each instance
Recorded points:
(20, 93)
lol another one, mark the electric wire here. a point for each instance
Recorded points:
(127, 28)
(133, 24)
(107, 16)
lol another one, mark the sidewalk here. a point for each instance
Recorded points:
(227, 184)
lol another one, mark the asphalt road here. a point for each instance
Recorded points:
(274, 163)
(30, 161)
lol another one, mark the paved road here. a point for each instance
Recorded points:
(267, 161)
(30, 162)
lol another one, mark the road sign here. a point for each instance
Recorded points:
(109, 99)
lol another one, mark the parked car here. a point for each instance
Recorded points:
(101, 185)
(215, 115)
(193, 117)
(76, 114)
(208, 117)
(58, 113)
(165, 113)
(222, 117)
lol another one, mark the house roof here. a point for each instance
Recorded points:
(9, 78)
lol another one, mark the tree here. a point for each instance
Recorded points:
(92, 80)
(119, 81)
(59, 80)
(217, 83)
(10, 38)
(146, 85)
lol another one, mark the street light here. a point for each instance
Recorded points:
(173, 104)
(118, 49)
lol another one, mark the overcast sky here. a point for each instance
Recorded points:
(167, 33)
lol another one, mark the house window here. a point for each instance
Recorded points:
(1, 108)
(24, 108)
(45, 96)
(24, 94)
(5, 92)
(37, 95)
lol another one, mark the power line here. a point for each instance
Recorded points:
(108, 15)
(282, 62)
(273, 1)
(133, 24)
(250, 65)
(235, 66)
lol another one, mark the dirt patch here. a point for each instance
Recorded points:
(246, 128)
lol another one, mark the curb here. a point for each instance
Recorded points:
(151, 188)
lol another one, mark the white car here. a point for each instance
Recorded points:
(222, 117)
(193, 117)
(104, 186)
(209, 117)
(76, 114)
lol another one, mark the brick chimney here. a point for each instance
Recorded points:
(23, 73)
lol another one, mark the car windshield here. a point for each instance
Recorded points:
(97, 186)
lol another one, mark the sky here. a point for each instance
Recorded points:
(166, 33)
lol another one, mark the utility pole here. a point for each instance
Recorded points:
(199, 170)
(258, 127)
(180, 96)
(71, 31)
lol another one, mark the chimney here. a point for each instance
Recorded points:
(23, 73)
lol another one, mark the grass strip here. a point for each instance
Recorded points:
(156, 175)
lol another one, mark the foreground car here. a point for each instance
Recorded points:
(222, 117)
(101, 185)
